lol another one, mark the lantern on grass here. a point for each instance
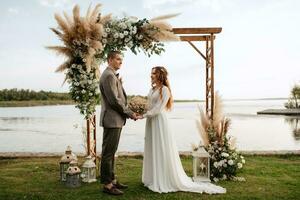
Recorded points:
(88, 174)
(65, 161)
(73, 175)
(201, 170)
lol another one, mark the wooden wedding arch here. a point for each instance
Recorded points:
(206, 35)
(189, 35)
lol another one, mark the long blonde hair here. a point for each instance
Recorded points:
(162, 78)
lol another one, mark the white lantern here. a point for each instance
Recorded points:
(73, 175)
(65, 161)
(201, 165)
(88, 174)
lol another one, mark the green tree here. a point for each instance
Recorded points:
(294, 100)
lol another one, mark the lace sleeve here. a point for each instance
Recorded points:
(160, 105)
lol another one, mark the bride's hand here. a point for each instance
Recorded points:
(134, 116)
(140, 117)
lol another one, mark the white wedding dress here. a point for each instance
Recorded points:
(162, 168)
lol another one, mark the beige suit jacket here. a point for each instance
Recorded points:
(114, 110)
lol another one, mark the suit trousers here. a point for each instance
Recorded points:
(111, 137)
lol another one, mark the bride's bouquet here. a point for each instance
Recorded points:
(138, 104)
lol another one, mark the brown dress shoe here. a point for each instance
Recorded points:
(113, 191)
(120, 185)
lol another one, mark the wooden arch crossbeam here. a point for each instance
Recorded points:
(206, 35)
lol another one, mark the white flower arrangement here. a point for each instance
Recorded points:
(225, 160)
(133, 34)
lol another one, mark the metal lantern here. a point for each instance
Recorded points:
(201, 170)
(88, 174)
(73, 175)
(65, 161)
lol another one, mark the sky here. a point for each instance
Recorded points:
(257, 54)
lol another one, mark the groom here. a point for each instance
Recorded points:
(114, 112)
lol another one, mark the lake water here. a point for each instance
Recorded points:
(52, 128)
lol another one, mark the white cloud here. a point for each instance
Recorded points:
(13, 11)
(55, 3)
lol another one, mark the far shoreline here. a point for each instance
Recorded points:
(58, 102)
(31, 103)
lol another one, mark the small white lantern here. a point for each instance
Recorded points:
(201, 165)
(73, 175)
(88, 174)
(65, 161)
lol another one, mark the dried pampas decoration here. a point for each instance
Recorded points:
(79, 33)
(219, 124)
(202, 124)
(165, 29)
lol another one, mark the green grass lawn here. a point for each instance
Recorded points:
(267, 177)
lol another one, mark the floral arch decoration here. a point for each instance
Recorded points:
(87, 41)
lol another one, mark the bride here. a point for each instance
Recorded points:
(162, 168)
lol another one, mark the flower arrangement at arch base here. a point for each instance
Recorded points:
(225, 160)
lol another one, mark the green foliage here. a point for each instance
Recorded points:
(26, 95)
(31, 103)
(129, 33)
(294, 100)
(84, 88)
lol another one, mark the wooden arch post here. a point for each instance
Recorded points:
(206, 35)
(91, 129)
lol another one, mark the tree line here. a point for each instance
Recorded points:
(26, 95)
